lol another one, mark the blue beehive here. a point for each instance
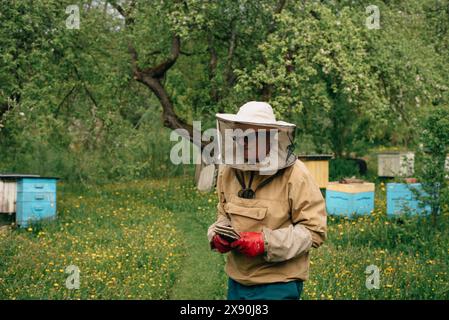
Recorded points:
(349, 198)
(400, 197)
(36, 199)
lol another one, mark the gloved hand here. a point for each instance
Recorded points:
(220, 244)
(250, 243)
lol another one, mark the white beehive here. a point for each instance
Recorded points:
(8, 196)
(396, 164)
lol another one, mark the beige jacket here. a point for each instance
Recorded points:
(290, 211)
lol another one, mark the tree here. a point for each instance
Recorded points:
(348, 87)
(317, 74)
(157, 33)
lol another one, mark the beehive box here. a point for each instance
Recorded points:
(7, 196)
(36, 200)
(401, 198)
(395, 164)
(318, 166)
(349, 198)
(8, 191)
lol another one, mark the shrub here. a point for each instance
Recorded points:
(434, 142)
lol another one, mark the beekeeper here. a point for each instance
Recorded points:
(269, 197)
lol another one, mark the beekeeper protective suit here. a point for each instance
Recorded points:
(271, 200)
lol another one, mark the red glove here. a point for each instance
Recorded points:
(220, 244)
(250, 243)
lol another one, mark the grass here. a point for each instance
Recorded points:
(124, 246)
(147, 240)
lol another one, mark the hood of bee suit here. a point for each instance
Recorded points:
(257, 115)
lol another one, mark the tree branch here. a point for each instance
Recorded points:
(160, 70)
(169, 117)
(126, 14)
(190, 53)
(280, 6)
(63, 100)
(89, 93)
(230, 77)
(212, 69)
(151, 77)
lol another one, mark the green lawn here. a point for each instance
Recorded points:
(147, 240)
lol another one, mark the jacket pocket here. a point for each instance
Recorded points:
(245, 219)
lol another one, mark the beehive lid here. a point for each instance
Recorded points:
(314, 157)
(394, 152)
(350, 187)
(15, 176)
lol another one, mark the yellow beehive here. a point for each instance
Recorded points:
(318, 166)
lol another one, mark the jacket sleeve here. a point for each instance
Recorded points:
(286, 243)
(308, 215)
(222, 218)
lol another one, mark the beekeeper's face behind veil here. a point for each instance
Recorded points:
(253, 140)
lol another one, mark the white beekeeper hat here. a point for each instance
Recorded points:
(259, 114)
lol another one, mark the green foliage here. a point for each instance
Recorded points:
(342, 168)
(121, 152)
(432, 159)
(348, 86)
(67, 96)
